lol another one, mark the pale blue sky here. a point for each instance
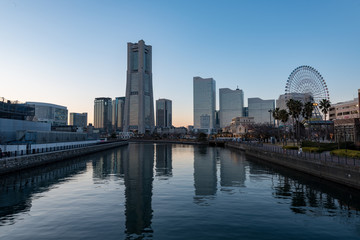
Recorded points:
(69, 52)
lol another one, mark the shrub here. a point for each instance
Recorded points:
(346, 153)
(312, 149)
(291, 147)
(328, 146)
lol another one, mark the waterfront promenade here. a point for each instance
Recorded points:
(341, 170)
(37, 158)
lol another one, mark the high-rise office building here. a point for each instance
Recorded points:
(78, 119)
(231, 105)
(102, 113)
(259, 110)
(163, 113)
(204, 104)
(118, 105)
(139, 103)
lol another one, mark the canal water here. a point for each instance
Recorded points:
(164, 191)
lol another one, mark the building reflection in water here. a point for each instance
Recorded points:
(17, 190)
(163, 158)
(232, 170)
(307, 198)
(138, 169)
(205, 179)
(110, 163)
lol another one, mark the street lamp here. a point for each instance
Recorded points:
(270, 112)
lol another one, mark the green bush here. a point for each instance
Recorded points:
(346, 153)
(312, 149)
(328, 146)
(291, 147)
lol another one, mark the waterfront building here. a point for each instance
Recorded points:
(54, 114)
(118, 105)
(78, 119)
(231, 105)
(102, 113)
(302, 97)
(346, 118)
(163, 113)
(240, 126)
(344, 110)
(139, 103)
(16, 110)
(204, 104)
(259, 110)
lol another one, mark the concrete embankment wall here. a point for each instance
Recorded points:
(14, 164)
(343, 174)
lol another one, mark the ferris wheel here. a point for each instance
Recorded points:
(307, 80)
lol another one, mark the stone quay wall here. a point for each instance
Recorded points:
(348, 175)
(14, 164)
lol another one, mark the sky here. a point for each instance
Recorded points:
(70, 52)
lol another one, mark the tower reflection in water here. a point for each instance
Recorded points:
(205, 179)
(232, 170)
(138, 167)
(163, 165)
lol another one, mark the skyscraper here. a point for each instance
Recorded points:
(259, 109)
(139, 103)
(204, 104)
(78, 119)
(231, 105)
(102, 113)
(163, 113)
(118, 113)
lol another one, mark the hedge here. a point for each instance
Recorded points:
(312, 149)
(291, 147)
(346, 153)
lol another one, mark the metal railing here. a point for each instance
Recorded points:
(323, 157)
(43, 148)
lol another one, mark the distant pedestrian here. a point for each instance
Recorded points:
(300, 150)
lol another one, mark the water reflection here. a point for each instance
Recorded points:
(133, 168)
(163, 161)
(232, 170)
(306, 198)
(138, 168)
(306, 194)
(110, 163)
(17, 190)
(205, 178)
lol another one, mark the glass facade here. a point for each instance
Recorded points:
(204, 101)
(78, 119)
(51, 113)
(231, 105)
(163, 113)
(118, 113)
(103, 113)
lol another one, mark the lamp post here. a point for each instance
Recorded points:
(270, 112)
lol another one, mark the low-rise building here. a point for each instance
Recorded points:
(240, 126)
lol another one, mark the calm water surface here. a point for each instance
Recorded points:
(146, 191)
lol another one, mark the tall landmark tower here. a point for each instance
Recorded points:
(139, 103)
